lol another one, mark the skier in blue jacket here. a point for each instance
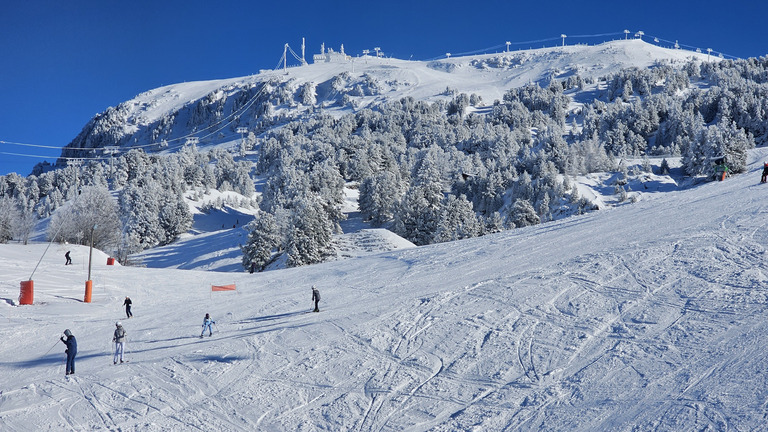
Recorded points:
(207, 321)
(71, 351)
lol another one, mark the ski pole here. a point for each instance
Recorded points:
(54, 346)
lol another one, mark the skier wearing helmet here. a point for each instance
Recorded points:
(71, 351)
(207, 322)
(119, 340)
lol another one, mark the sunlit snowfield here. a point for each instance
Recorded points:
(650, 316)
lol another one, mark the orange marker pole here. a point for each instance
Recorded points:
(88, 291)
(27, 292)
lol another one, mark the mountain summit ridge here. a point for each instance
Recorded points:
(210, 112)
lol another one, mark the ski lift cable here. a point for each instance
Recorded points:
(296, 56)
(595, 35)
(56, 157)
(689, 47)
(29, 145)
(530, 42)
(480, 50)
(235, 114)
(277, 66)
(223, 126)
(233, 118)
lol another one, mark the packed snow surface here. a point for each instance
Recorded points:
(650, 316)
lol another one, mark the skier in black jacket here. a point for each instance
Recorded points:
(71, 351)
(315, 298)
(765, 173)
(127, 304)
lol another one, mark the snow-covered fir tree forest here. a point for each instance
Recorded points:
(430, 171)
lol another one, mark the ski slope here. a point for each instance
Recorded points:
(650, 316)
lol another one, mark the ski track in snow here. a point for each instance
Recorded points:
(649, 316)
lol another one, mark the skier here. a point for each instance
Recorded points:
(119, 340)
(71, 351)
(721, 169)
(207, 321)
(69, 260)
(315, 298)
(127, 304)
(765, 173)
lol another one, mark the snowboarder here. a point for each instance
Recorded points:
(315, 298)
(127, 304)
(765, 173)
(69, 260)
(71, 351)
(207, 322)
(119, 340)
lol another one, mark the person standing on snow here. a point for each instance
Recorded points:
(119, 340)
(127, 304)
(315, 298)
(69, 260)
(71, 351)
(207, 322)
(765, 173)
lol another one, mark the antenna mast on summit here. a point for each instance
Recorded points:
(303, 62)
(563, 36)
(285, 59)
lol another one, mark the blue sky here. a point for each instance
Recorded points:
(62, 62)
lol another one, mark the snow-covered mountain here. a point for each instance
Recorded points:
(210, 112)
(650, 316)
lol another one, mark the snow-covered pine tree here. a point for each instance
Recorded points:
(9, 216)
(522, 214)
(456, 220)
(378, 197)
(309, 240)
(263, 239)
(92, 214)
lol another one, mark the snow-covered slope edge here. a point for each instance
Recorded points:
(643, 317)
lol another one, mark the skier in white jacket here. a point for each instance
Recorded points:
(119, 340)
